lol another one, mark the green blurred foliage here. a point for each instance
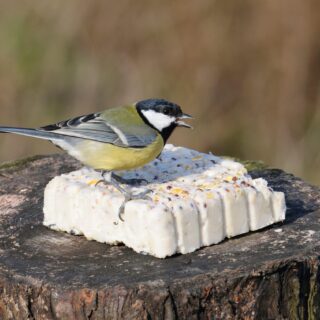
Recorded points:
(249, 71)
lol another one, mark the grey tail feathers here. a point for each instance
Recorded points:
(32, 133)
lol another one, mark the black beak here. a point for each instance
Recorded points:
(182, 123)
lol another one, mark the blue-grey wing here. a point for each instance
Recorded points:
(94, 127)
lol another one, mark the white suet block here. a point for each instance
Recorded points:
(197, 200)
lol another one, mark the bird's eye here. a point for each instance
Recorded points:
(166, 110)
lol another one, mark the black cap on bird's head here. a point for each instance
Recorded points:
(162, 115)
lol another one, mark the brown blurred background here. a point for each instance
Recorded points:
(249, 71)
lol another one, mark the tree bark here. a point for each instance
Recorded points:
(270, 274)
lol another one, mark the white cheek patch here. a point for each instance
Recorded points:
(157, 119)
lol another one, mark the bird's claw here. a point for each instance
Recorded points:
(140, 196)
(132, 182)
(129, 196)
(100, 181)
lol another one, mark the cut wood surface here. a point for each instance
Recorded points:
(270, 274)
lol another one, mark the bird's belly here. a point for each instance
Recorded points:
(106, 156)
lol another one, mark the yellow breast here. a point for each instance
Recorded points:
(104, 156)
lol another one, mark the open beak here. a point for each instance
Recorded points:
(182, 123)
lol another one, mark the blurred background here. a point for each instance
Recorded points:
(249, 71)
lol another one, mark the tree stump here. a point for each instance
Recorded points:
(269, 274)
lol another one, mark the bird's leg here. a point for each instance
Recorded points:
(104, 176)
(108, 178)
(127, 194)
(132, 182)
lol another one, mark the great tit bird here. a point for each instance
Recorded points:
(121, 138)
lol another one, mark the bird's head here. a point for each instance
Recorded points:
(162, 115)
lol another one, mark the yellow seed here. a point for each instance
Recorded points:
(92, 182)
(179, 191)
(208, 185)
